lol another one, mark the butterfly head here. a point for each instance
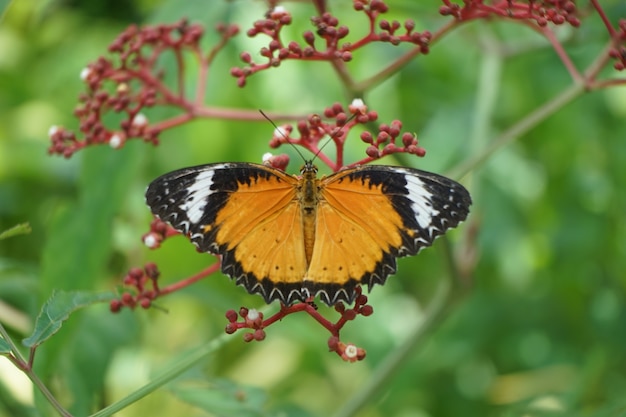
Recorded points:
(308, 168)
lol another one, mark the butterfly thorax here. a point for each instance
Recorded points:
(309, 197)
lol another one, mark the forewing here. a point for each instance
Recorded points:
(247, 213)
(369, 216)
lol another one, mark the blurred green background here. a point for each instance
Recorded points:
(540, 332)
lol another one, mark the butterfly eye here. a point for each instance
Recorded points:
(308, 167)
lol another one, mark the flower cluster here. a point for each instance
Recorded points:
(541, 12)
(255, 321)
(336, 124)
(131, 83)
(146, 285)
(330, 33)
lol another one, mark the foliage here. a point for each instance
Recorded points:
(520, 312)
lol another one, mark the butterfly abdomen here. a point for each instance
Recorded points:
(309, 199)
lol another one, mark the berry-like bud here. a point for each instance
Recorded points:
(151, 240)
(361, 299)
(115, 306)
(408, 139)
(231, 315)
(85, 73)
(389, 149)
(367, 310)
(309, 37)
(333, 343)
(349, 314)
(351, 352)
(152, 271)
(409, 25)
(245, 57)
(139, 120)
(253, 314)
(116, 141)
(372, 152)
(357, 106)
(135, 273)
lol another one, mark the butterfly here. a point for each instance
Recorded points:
(291, 238)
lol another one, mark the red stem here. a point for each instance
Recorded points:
(596, 5)
(188, 281)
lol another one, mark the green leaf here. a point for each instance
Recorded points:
(19, 229)
(58, 308)
(222, 398)
(77, 256)
(77, 253)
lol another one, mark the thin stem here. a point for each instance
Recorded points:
(180, 63)
(26, 367)
(538, 115)
(591, 73)
(344, 75)
(188, 360)
(14, 350)
(607, 83)
(174, 369)
(203, 75)
(239, 114)
(188, 281)
(445, 300)
(395, 66)
(560, 51)
(519, 129)
(604, 17)
(46, 393)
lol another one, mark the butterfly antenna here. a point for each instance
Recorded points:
(332, 135)
(280, 131)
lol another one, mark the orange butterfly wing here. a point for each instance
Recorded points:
(247, 213)
(370, 215)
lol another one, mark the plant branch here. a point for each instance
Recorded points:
(396, 65)
(187, 360)
(446, 298)
(519, 129)
(20, 362)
